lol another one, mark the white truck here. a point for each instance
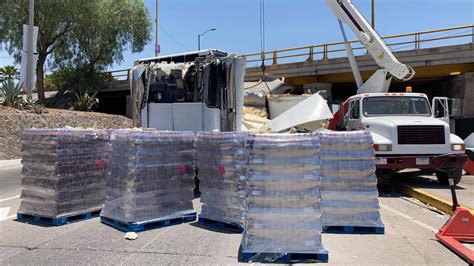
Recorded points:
(405, 129)
(407, 132)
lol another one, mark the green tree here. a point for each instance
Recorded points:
(9, 71)
(86, 35)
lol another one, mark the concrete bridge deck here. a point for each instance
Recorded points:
(428, 63)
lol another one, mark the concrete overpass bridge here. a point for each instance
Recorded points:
(443, 60)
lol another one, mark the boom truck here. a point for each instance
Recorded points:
(407, 132)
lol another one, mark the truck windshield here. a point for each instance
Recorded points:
(396, 105)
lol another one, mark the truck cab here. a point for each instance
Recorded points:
(407, 132)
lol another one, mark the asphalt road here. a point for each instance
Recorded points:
(408, 240)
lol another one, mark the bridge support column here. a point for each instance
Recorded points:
(462, 87)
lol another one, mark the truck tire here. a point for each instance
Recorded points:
(443, 176)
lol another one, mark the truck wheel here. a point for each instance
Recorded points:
(443, 176)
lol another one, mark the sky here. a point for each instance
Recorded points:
(288, 23)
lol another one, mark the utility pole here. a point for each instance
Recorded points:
(31, 49)
(373, 14)
(157, 46)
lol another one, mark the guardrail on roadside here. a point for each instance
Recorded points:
(400, 42)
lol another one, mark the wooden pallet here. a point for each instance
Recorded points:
(286, 258)
(57, 221)
(147, 225)
(354, 229)
(221, 225)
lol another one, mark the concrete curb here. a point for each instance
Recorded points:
(10, 163)
(439, 203)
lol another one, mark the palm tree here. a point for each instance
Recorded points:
(9, 71)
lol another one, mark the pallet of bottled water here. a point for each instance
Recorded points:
(63, 173)
(221, 161)
(349, 184)
(282, 198)
(150, 178)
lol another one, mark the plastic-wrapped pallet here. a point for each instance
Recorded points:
(150, 175)
(63, 171)
(221, 162)
(349, 184)
(282, 203)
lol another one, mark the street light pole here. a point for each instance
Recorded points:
(201, 34)
(373, 14)
(156, 29)
(29, 63)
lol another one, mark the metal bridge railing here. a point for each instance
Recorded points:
(400, 42)
(118, 75)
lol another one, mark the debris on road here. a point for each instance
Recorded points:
(131, 236)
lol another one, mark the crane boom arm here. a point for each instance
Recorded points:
(346, 12)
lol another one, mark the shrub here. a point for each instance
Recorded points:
(85, 101)
(12, 94)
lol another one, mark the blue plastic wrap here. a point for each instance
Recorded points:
(221, 162)
(282, 196)
(63, 171)
(349, 184)
(150, 175)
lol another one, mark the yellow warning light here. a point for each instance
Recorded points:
(409, 89)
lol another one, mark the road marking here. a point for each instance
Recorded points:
(427, 227)
(11, 217)
(10, 198)
(4, 212)
(10, 167)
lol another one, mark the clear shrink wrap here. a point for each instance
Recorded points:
(63, 171)
(349, 184)
(221, 164)
(282, 196)
(150, 175)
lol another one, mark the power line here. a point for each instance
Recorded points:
(172, 38)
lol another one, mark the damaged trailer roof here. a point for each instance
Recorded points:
(182, 57)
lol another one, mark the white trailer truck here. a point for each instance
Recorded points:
(196, 91)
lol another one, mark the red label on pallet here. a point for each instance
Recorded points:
(221, 170)
(182, 169)
(100, 164)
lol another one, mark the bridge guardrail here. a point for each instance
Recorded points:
(118, 75)
(403, 42)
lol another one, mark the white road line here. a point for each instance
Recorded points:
(11, 217)
(10, 198)
(10, 167)
(4, 212)
(427, 227)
